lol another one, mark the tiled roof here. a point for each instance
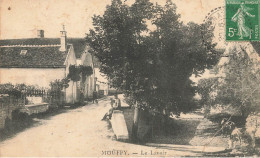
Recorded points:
(32, 57)
(78, 43)
(30, 41)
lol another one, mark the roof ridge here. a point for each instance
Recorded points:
(21, 45)
(45, 38)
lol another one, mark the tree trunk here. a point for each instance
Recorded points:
(135, 124)
(72, 92)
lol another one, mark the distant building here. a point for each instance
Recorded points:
(103, 83)
(38, 61)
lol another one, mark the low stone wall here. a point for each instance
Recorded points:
(119, 125)
(143, 125)
(35, 108)
(6, 112)
(7, 106)
(129, 118)
(3, 116)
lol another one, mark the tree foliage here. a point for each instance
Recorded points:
(58, 85)
(238, 87)
(16, 90)
(151, 66)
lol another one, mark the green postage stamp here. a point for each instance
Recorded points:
(242, 20)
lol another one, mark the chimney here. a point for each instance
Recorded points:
(40, 33)
(63, 38)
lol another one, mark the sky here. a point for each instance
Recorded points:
(22, 18)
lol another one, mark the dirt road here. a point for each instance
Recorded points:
(80, 132)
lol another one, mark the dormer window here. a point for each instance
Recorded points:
(23, 52)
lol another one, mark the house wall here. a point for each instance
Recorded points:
(31, 76)
(70, 59)
(71, 91)
(89, 84)
(89, 87)
(42, 76)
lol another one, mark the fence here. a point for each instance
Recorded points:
(52, 97)
(10, 103)
(29, 96)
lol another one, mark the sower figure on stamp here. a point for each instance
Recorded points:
(239, 18)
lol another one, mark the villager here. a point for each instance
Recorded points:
(115, 105)
(110, 111)
(112, 102)
(117, 102)
(95, 97)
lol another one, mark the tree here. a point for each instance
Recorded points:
(207, 89)
(118, 44)
(153, 68)
(56, 88)
(238, 87)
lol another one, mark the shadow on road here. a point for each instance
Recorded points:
(15, 126)
(182, 131)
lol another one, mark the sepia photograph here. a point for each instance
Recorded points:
(129, 78)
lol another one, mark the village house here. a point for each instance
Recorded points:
(88, 86)
(39, 61)
(96, 82)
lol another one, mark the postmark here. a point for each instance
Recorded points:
(214, 23)
(242, 20)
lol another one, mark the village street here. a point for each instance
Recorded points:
(80, 132)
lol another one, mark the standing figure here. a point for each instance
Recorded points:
(117, 103)
(95, 97)
(239, 18)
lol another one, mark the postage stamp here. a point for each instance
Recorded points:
(242, 20)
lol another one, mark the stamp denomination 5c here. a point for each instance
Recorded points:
(242, 20)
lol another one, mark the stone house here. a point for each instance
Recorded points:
(38, 61)
(89, 84)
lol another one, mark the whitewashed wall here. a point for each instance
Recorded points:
(31, 76)
(71, 91)
(86, 60)
(37, 76)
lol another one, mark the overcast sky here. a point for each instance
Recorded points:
(22, 18)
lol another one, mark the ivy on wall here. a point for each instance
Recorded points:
(76, 71)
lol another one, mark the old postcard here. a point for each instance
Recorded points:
(129, 78)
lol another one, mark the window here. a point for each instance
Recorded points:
(23, 52)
